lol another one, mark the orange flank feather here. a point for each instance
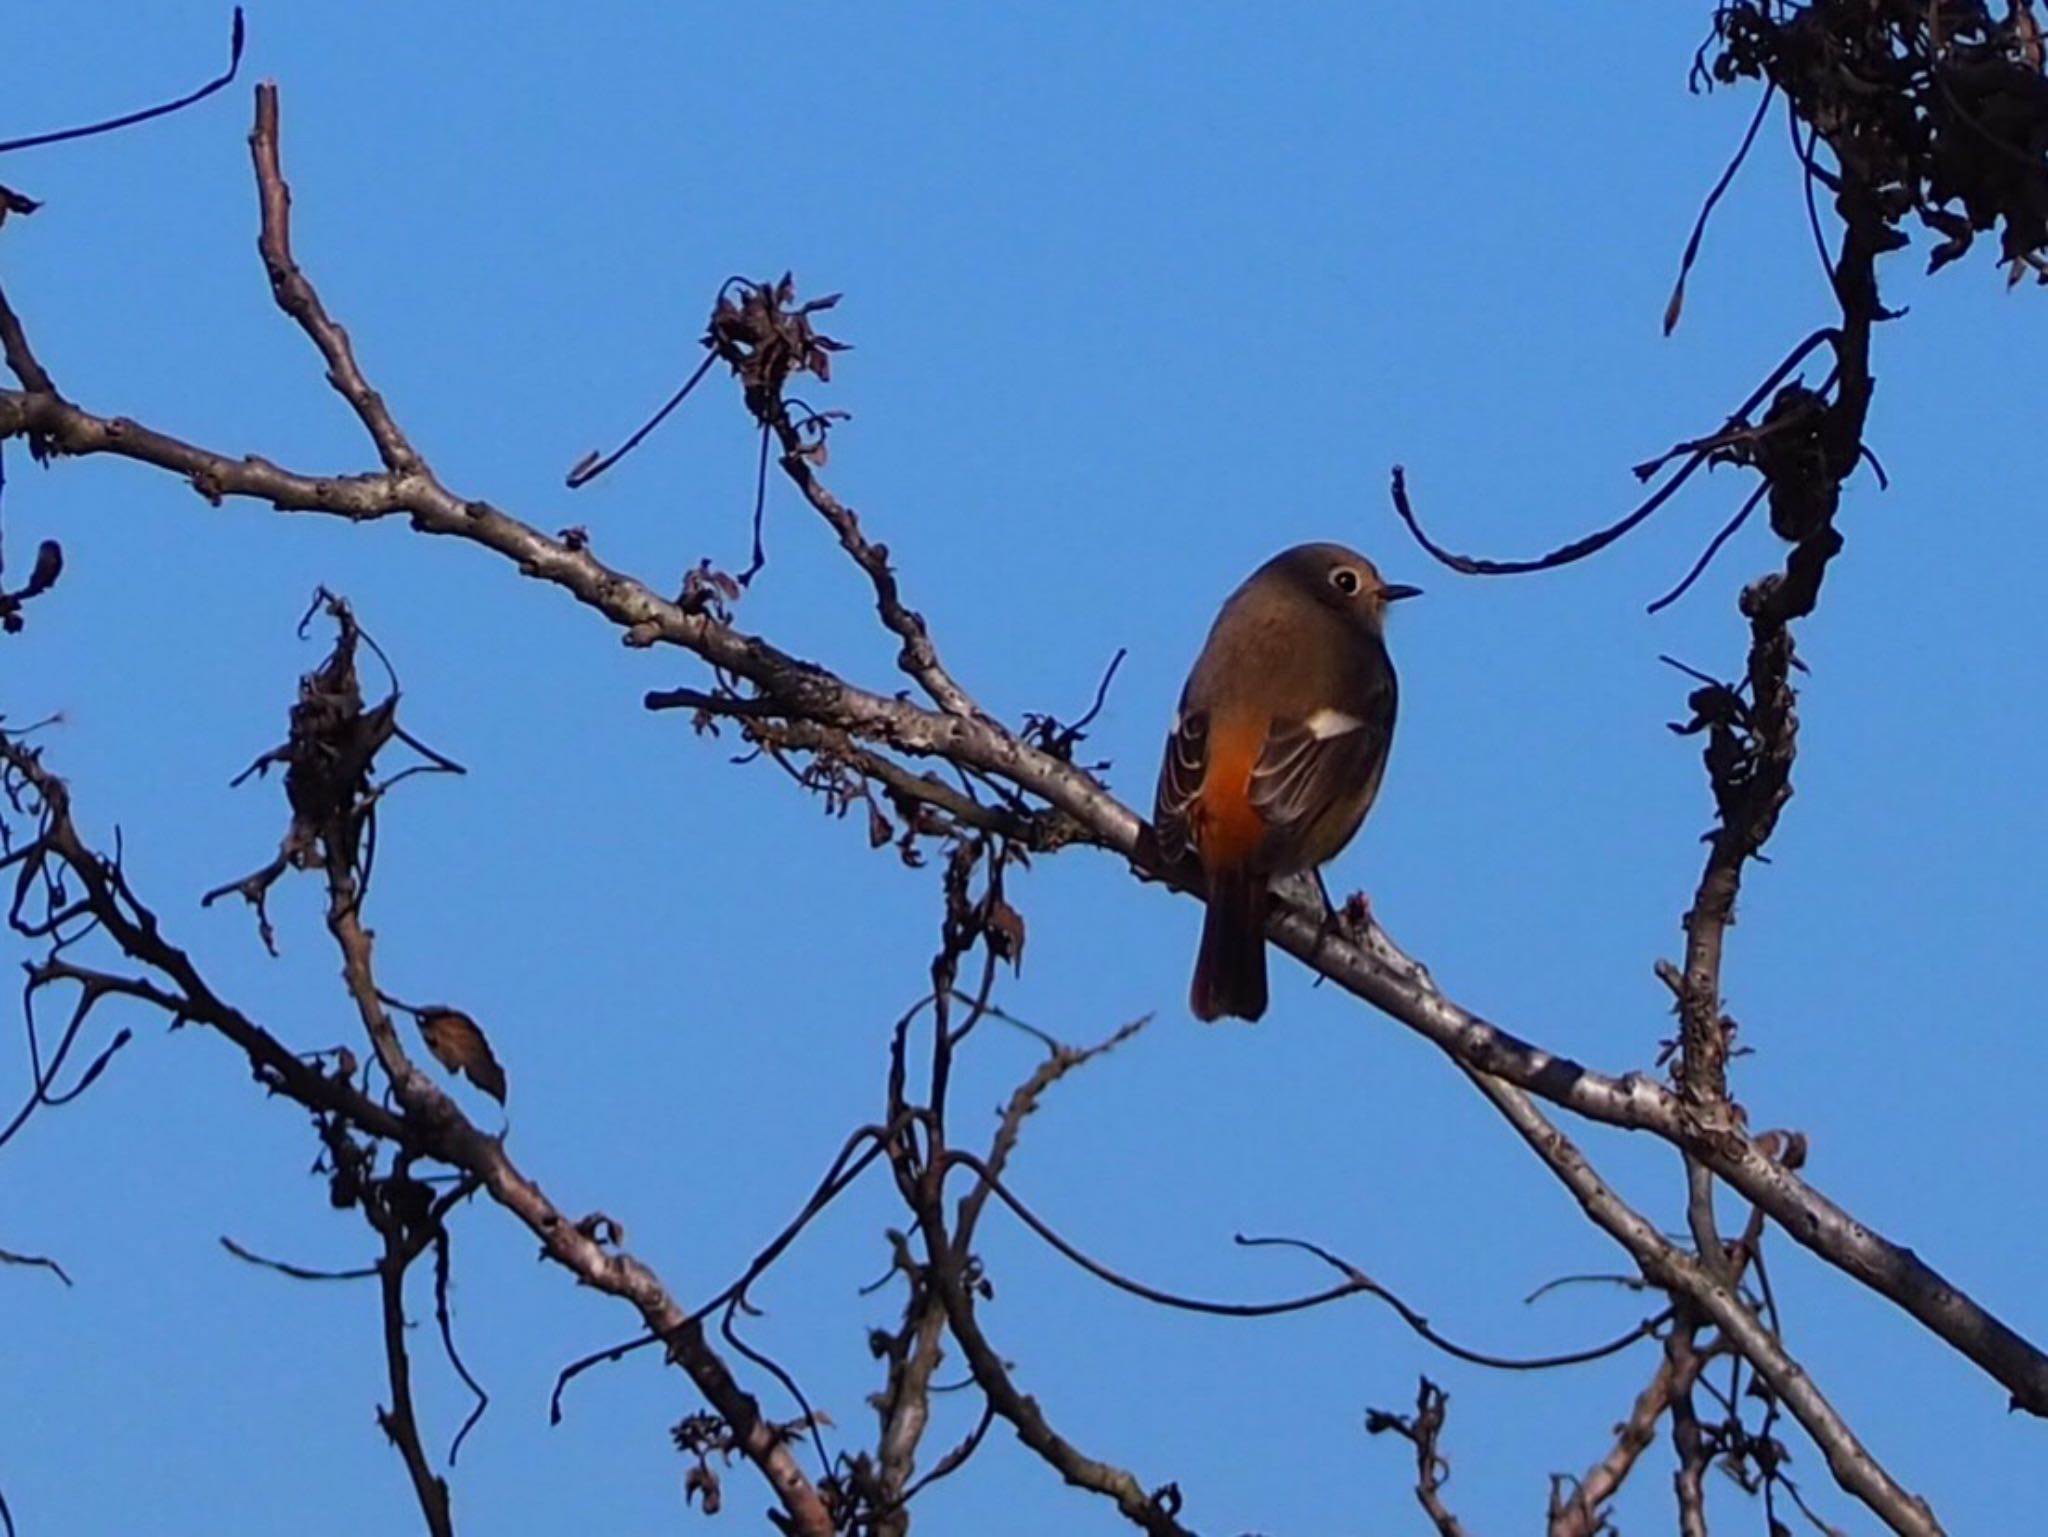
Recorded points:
(1227, 827)
(1230, 971)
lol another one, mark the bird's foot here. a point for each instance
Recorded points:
(1357, 916)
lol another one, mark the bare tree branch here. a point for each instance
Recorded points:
(297, 1272)
(401, 1248)
(1154, 1512)
(1687, 1278)
(236, 37)
(1689, 1481)
(1423, 1429)
(296, 298)
(34, 1262)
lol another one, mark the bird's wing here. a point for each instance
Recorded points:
(1317, 776)
(1180, 781)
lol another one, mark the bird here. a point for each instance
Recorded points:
(1276, 751)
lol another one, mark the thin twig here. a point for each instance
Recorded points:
(1728, 531)
(296, 1272)
(594, 464)
(1355, 1283)
(236, 37)
(1592, 543)
(35, 1261)
(1023, 1102)
(295, 295)
(583, 1364)
(1699, 228)
(399, 1422)
(1423, 1430)
(443, 1320)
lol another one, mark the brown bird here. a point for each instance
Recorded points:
(1277, 750)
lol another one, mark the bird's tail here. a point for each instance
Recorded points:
(1230, 971)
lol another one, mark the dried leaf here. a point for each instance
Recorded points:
(49, 566)
(1005, 929)
(700, 1480)
(1676, 306)
(459, 1046)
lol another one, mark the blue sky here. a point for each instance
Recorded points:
(1139, 296)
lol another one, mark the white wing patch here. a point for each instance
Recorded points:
(1326, 723)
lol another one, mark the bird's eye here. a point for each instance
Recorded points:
(1345, 580)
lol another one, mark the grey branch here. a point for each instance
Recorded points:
(1685, 1276)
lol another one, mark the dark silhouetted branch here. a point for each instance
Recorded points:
(1699, 228)
(34, 1261)
(236, 38)
(594, 464)
(1423, 1430)
(1695, 455)
(296, 1272)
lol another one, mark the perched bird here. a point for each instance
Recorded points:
(1277, 750)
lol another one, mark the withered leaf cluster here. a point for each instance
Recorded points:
(758, 330)
(329, 758)
(1940, 108)
(41, 578)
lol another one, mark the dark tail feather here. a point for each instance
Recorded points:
(1230, 972)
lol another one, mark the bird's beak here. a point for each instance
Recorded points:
(1393, 592)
